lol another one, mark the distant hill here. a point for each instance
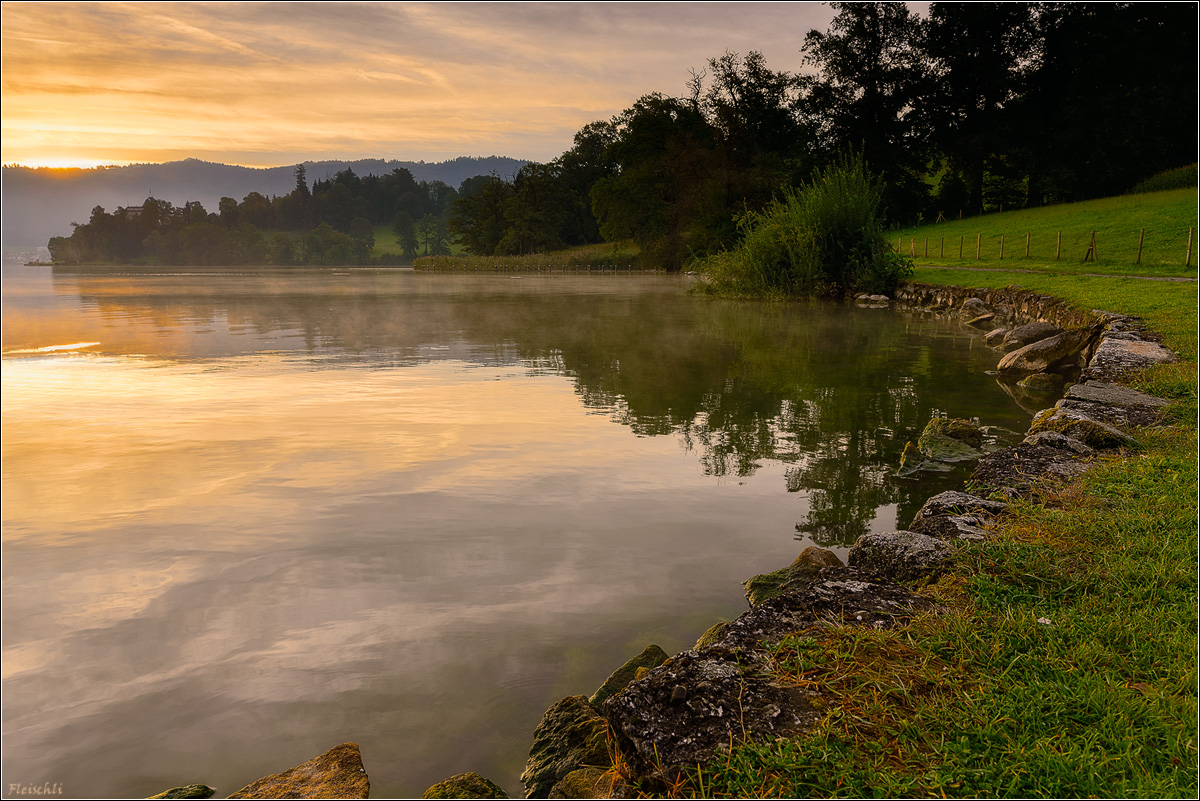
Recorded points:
(43, 202)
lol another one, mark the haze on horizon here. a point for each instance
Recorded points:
(269, 84)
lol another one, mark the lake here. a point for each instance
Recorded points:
(250, 514)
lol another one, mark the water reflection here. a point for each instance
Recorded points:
(272, 511)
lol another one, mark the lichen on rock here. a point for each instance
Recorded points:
(465, 785)
(187, 791)
(951, 440)
(337, 773)
(900, 555)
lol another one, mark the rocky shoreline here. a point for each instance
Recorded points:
(660, 715)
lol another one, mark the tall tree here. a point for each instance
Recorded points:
(871, 68)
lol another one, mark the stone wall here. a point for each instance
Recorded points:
(1009, 304)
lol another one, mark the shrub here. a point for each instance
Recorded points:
(826, 239)
(1178, 178)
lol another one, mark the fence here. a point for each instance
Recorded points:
(1092, 254)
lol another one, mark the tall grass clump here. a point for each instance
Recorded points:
(825, 239)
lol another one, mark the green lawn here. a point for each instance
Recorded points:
(1165, 217)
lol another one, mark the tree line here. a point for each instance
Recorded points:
(331, 222)
(977, 107)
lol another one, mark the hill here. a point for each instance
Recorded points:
(43, 202)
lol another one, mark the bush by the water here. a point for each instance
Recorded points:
(827, 239)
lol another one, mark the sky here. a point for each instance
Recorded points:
(268, 84)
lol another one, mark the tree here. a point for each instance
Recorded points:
(477, 216)
(661, 193)
(871, 67)
(981, 57)
(433, 234)
(406, 233)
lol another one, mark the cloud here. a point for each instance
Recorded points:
(391, 80)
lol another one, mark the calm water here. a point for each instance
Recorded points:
(251, 514)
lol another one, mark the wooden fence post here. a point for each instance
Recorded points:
(927, 247)
(912, 247)
(1058, 248)
(978, 246)
(960, 246)
(1141, 238)
(898, 244)
(1188, 261)
(1001, 247)
(1027, 235)
(943, 253)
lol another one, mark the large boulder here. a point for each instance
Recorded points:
(806, 568)
(1025, 469)
(1027, 334)
(900, 555)
(651, 657)
(974, 307)
(1040, 356)
(1124, 350)
(571, 735)
(337, 773)
(465, 785)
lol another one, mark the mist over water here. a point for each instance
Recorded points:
(250, 514)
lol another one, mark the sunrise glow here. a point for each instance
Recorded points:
(263, 84)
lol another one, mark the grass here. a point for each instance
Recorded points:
(1165, 216)
(1062, 661)
(606, 256)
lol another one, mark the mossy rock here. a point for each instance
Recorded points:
(465, 785)
(651, 657)
(187, 791)
(953, 440)
(1041, 383)
(806, 568)
(572, 735)
(713, 634)
(1080, 427)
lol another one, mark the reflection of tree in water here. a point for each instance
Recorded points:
(832, 392)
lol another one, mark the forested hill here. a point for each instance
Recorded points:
(41, 203)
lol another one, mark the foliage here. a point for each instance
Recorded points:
(1178, 178)
(825, 239)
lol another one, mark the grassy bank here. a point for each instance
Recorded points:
(605, 256)
(1118, 222)
(1062, 663)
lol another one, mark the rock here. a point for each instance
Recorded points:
(1027, 334)
(1079, 426)
(651, 657)
(591, 783)
(994, 337)
(1040, 356)
(1026, 468)
(571, 735)
(465, 785)
(1114, 404)
(698, 703)
(807, 567)
(900, 555)
(337, 773)
(1117, 357)
(874, 301)
(974, 307)
(958, 516)
(1060, 441)
(187, 791)
(954, 440)
(1041, 383)
(711, 635)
